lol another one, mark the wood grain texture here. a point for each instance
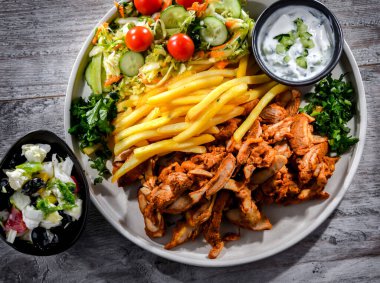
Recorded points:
(39, 43)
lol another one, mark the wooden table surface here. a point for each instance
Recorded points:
(39, 41)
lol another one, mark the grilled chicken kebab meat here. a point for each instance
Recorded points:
(278, 161)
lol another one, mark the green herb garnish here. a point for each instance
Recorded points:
(332, 106)
(30, 167)
(92, 125)
(46, 207)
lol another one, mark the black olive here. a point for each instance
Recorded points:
(65, 218)
(42, 240)
(32, 186)
(4, 197)
(4, 183)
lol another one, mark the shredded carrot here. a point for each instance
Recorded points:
(98, 31)
(230, 23)
(120, 8)
(156, 16)
(199, 8)
(117, 47)
(165, 4)
(199, 54)
(221, 64)
(216, 54)
(111, 80)
(236, 35)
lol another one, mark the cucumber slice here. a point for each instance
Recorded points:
(233, 6)
(301, 61)
(93, 74)
(173, 16)
(227, 8)
(130, 63)
(214, 31)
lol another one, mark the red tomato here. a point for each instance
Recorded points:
(76, 185)
(139, 38)
(181, 47)
(148, 7)
(187, 3)
(15, 221)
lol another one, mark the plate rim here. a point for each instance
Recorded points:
(159, 251)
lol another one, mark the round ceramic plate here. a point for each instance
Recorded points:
(290, 224)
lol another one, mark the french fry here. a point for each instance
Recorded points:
(133, 140)
(150, 93)
(202, 124)
(173, 128)
(193, 99)
(169, 95)
(212, 130)
(267, 98)
(122, 115)
(149, 125)
(124, 105)
(170, 146)
(226, 109)
(178, 111)
(128, 165)
(254, 93)
(195, 149)
(242, 69)
(152, 115)
(176, 128)
(237, 111)
(200, 68)
(142, 143)
(180, 77)
(227, 73)
(213, 95)
(132, 118)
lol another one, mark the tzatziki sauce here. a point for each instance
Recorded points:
(296, 43)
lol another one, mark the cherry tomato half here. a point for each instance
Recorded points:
(181, 47)
(139, 38)
(187, 3)
(148, 7)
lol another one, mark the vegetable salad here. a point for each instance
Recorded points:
(39, 197)
(146, 46)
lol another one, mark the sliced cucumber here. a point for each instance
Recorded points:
(93, 74)
(173, 16)
(214, 31)
(227, 8)
(233, 6)
(130, 63)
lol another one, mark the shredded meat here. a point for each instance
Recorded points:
(273, 113)
(301, 134)
(279, 160)
(211, 230)
(227, 129)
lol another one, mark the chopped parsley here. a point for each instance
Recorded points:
(92, 125)
(332, 106)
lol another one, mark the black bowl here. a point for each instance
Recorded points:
(337, 37)
(73, 231)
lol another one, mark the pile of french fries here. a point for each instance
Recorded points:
(183, 114)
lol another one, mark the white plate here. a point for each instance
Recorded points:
(290, 224)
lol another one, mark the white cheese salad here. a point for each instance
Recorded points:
(39, 198)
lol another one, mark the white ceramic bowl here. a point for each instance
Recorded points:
(290, 224)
